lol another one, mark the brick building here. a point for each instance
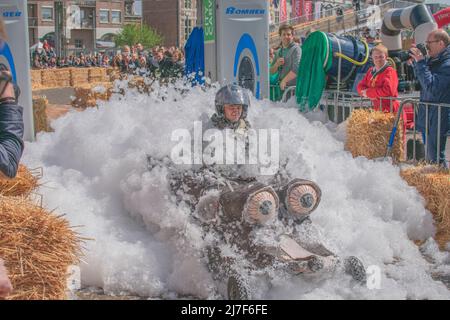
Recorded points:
(173, 19)
(85, 25)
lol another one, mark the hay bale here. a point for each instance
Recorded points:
(62, 77)
(93, 75)
(139, 83)
(22, 185)
(433, 183)
(55, 78)
(98, 75)
(368, 134)
(38, 248)
(79, 76)
(88, 94)
(49, 78)
(39, 114)
(36, 79)
(82, 94)
(102, 91)
(113, 74)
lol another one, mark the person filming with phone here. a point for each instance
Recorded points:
(11, 119)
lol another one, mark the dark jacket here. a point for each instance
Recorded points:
(434, 77)
(11, 135)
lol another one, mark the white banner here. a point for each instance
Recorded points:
(317, 10)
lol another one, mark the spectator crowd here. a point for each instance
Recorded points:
(158, 61)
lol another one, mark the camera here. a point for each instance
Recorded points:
(405, 55)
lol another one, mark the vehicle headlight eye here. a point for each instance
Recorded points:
(261, 207)
(301, 197)
(254, 203)
(266, 207)
(307, 200)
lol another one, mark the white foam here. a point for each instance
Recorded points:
(95, 172)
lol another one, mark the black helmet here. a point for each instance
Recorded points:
(232, 94)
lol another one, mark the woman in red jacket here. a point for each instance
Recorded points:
(380, 82)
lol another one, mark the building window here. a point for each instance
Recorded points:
(32, 11)
(115, 16)
(129, 9)
(78, 43)
(188, 4)
(104, 16)
(47, 13)
(187, 28)
(87, 18)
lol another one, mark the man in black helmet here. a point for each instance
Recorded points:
(232, 104)
(213, 191)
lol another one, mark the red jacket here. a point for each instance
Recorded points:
(383, 85)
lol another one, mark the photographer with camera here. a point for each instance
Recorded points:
(433, 72)
(11, 120)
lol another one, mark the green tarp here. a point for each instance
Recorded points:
(315, 63)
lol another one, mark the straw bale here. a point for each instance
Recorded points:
(98, 75)
(88, 94)
(48, 74)
(22, 185)
(368, 135)
(62, 77)
(36, 79)
(40, 115)
(433, 183)
(54, 78)
(82, 94)
(139, 83)
(37, 247)
(79, 76)
(113, 73)
(102, 91)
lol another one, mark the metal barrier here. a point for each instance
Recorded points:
(339, 105)
(288, 93)
(435, 140)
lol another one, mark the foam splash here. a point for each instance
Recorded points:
(95, 172)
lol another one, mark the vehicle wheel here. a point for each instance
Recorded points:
(315, 264)
(355, 268)
(237, 288)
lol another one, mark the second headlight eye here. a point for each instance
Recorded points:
(254, 203)
(261, 207)
(301, 197)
